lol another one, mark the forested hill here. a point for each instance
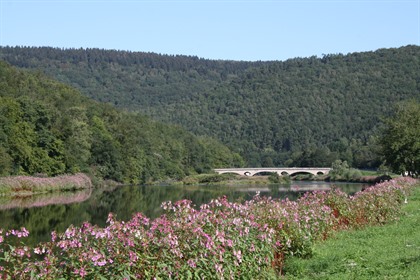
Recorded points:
(50, 128)
(127, 79)
(303, 111)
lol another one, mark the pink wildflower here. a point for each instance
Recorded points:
(98, 259)
(80, 272)
(238, 255)
(110, 219)
(101, 263)
(219, 268)
(252, 249)
(39, 251)
(53, 236)
(296, 217)
(192, 263)
(229, 242)
(133, 257)
(19, 234)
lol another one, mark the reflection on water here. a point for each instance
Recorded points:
(43, 214)
(40, 200)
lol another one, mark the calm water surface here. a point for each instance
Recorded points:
(55, 212)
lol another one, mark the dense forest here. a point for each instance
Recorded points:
(49, 128)
(299, 112)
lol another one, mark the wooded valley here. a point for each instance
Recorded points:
(299, 112)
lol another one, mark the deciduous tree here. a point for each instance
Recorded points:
(401, 139)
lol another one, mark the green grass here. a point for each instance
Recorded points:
(376, 173)
(391, 251)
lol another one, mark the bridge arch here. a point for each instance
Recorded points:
(301, 173)
(232, 172)
(265, 173)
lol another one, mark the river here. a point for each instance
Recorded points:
(42, 214)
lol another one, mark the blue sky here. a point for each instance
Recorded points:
(234, 30)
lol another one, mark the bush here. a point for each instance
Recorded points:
(274, 178)
(352, 174)
(342, 172)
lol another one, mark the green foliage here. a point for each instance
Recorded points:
(303, 111)
(221, 154)
(339, 167)
(401, 139)
(49, 128)
(365, 253)
(6, 162)
(208, 178)
(342, 171)
(274, 178)
(77, 136)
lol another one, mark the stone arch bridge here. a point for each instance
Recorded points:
(282, 171)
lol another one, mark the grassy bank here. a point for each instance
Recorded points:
(27, 185)
(237, 180)
(390, 251)
(233, 179)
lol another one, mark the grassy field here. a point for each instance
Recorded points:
(391, 251)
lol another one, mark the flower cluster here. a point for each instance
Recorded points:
(220, 239)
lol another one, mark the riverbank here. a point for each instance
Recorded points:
(236, 180)
(29, 185)
(219, 240)
(389, 251)
(231, 179)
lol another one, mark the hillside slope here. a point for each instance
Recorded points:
(303, 111)
(50, 128)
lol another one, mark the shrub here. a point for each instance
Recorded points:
(352, 174)
(274, 178)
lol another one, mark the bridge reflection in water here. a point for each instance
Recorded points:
(282, 171)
